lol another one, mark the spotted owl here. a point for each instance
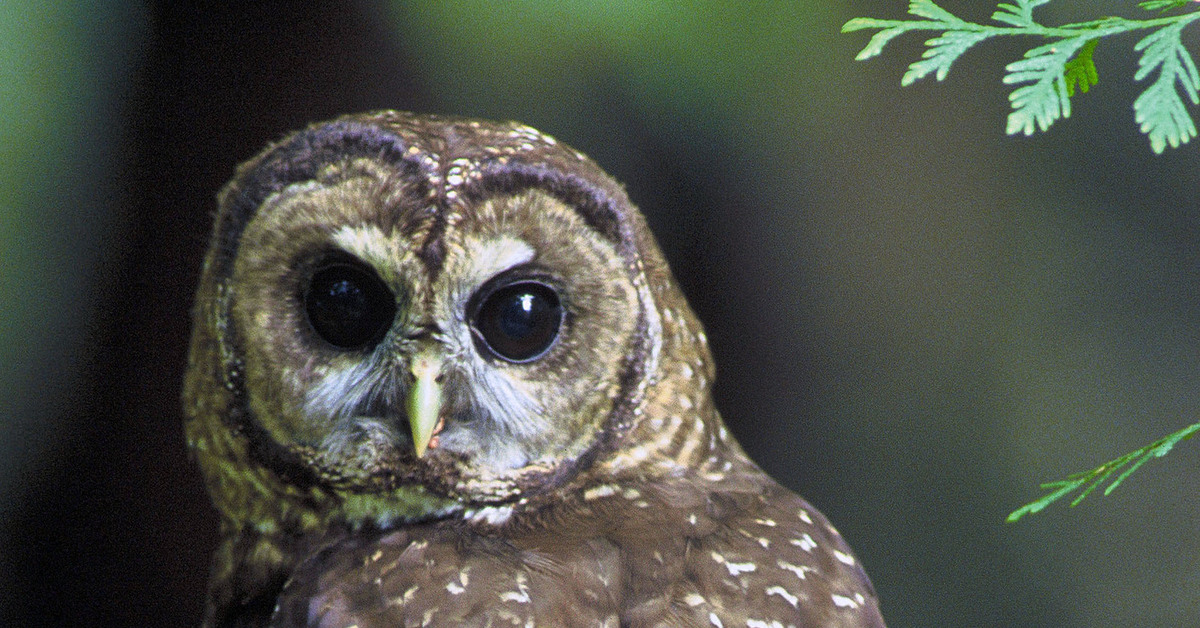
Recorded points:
(440, 375)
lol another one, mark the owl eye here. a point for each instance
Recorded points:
(520, 321)
(348, 305)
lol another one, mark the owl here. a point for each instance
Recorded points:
(440, 375)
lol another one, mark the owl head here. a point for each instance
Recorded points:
(404, 316)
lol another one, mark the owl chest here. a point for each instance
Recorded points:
(665, 567)
(445, 577)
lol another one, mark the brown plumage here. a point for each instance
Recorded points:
(441, 375)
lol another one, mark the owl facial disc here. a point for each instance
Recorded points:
(410, 312)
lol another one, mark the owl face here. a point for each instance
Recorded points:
(491, 351)
(394, 329)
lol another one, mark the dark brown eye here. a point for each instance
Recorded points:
(349, 306)
(520, 321)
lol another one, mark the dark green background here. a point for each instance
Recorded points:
(916, 318)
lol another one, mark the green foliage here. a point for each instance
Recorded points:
(1163, 5)
(1046, 99)
(1081, 70)
(1159, 110)
(1049, 74)
(1047, 77)
(1094, 478)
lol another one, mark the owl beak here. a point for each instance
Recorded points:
(424, 403)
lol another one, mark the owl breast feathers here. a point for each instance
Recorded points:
(440, 375)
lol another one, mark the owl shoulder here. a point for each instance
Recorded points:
(744, 551)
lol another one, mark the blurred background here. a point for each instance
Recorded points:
(916, 319)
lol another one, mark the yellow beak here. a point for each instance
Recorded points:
(424, 403)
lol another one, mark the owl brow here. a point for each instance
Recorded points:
(299, 158)
(594, 204)
(597, 210)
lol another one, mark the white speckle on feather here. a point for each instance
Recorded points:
(734, 568)
(805, 543)
(521, 595)
(842, 601)
(783, 593)
(799, 570)
(603, 490)
(493, 515)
